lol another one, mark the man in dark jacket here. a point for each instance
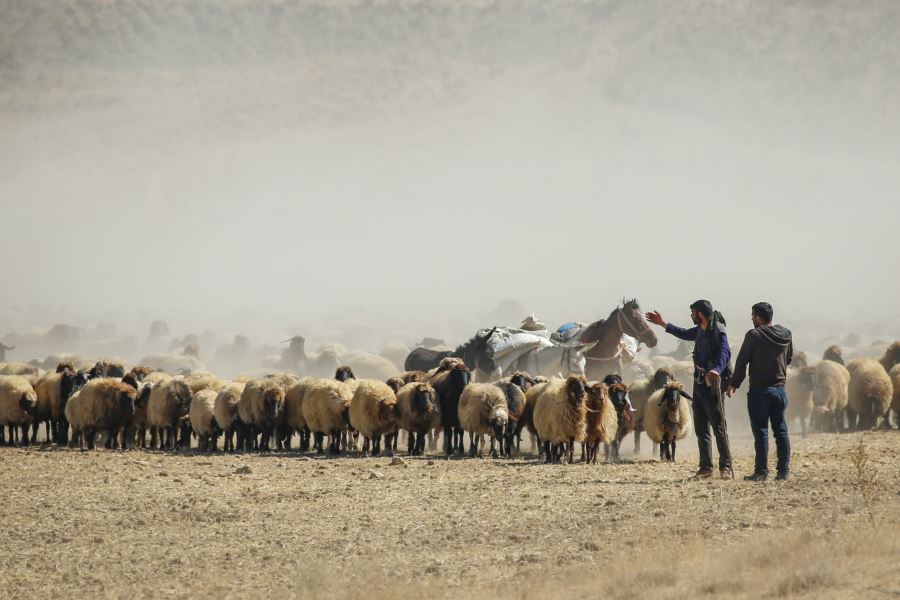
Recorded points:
(768, 350)
(712, 356)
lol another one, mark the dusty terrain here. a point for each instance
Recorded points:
(196, 525)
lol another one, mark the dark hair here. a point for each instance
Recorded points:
(763, 310)
(704, 307)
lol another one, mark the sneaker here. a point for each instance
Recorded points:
(783, 476)
(702, 474)
(726, 474)
(756, 477)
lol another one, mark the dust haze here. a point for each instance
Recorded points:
(364, 172)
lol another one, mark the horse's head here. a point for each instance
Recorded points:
(634, 323)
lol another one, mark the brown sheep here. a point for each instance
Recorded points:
(626, 417)
(203, 421)
(483, 411)
(53, 392)
(870, 394)
(167, 414)
(326, 408)
(419, 411)
(891, 357)
(514, 390)
(293, 411)
(449, 385)
(602, 421)
(104, 405)
(260, 409)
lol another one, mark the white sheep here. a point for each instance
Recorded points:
(799, 387)
(203, 420)
(871, 392)
(293, 411)
(18, 401)
(373, 413)
(560, 416)
(483, 411)
(830, 388)
(202, 380)
(667, 418)
(225, 412)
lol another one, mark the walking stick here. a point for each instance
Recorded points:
(724, 423)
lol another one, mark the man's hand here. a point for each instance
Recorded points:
(712, 377)
(730, 391)
(656, 318)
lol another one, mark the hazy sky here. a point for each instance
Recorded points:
(425, 161)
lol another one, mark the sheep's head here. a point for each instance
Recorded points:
(273, 401)
(143, 397)
(522, 379)
(671, 398)
(28, 403)
(344, 373)
(460, 375)
(612, 379)
(424, 398)
(69, 383)
(575, 390)
(182, 395)
(597, 392)
(662, 376)
(126, 399)
(891, 356)
(834, 353)
(65, 365)
(130, 379)
(395, 383)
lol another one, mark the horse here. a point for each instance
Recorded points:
(553, 361)
(474, 354)
(605, 357)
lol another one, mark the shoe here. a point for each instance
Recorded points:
(702, 474)
(783, 476)
(756, 477)
(726, 474)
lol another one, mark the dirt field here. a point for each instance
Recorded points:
(139, 523)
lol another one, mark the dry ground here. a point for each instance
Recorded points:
(117, 524)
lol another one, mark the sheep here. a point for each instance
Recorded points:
(167, 413)
(411, 376)
(18, 402)
(626, 417)
(138, 429)
(527, 418)
(799, 386)
(105, 405)
(225, 412)
(53, 392)
(895, 403)
(560, 416)
(449, 385)
(834, 354)
(156, 377)
(371, 366)
(515, 404)
(203, 421)
(140, 372)
(326, 407)
(483, 411)
(260, 410)
(106, 368)
(602, 421)
(667, 418)
(870, 394)
(293, 411)
(639, 392)
(373, 413)
(831, 382)
(891, 357)
(202, 380)
(418, 412)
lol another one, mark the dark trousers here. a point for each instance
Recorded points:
(707, 415)
(767, 405)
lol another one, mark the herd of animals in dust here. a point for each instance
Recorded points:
(580, 383)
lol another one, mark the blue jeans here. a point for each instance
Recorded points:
(768, 405)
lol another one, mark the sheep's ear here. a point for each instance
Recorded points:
(684, 394)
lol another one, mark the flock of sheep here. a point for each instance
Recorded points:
(146, 408)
